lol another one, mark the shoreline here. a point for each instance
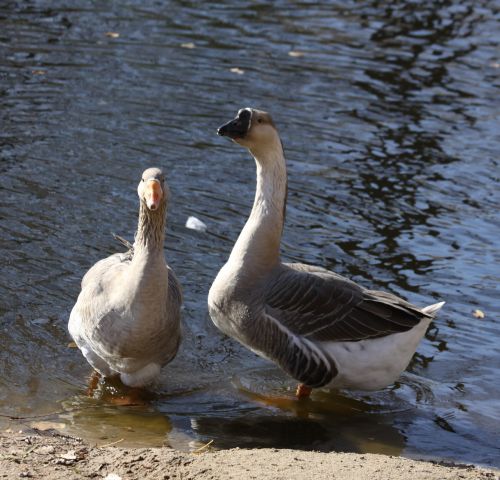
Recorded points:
(36, 454)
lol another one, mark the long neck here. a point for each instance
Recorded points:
(150, 235)
(258, 245)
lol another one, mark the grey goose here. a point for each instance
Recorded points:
(126, 321)
(321, 328)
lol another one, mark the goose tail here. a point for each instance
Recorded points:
(431, 310)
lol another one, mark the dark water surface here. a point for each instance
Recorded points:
(389, 114)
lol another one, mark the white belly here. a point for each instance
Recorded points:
(374, 363)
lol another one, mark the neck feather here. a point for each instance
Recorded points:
(259, 242)
(150, 234)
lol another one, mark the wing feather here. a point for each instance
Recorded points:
(324, 306)
(297, 356)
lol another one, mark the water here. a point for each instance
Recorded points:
(389, 116)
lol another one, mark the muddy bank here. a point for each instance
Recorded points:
(51, 455)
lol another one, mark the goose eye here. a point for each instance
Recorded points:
(259, 120)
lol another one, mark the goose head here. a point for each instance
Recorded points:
(253, 129)
(152, 189)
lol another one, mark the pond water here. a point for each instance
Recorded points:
(389, 115)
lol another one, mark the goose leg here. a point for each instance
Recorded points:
(93, 382)
(303, 391)
(286, 403)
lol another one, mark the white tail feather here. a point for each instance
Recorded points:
(433, 309)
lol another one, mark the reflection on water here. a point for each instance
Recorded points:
(390, 124)
(319, 434)
(128, 426)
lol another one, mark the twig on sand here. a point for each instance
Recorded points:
(203, 447)
(111, 444)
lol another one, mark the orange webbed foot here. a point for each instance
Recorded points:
(303, 391)
(93, 382)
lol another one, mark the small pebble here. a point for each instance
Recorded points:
(112, 476)
(69, 455)
(46, 425)
(45, 450)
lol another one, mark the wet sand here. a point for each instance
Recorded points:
(54, 456)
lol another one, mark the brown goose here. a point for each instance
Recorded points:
(126, 320)
(320, 328)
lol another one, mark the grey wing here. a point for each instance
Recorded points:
(175, 299)
(97, 271)
(323, 306)
(92, 314)
(298, 357)
(306, 305)
(175, 289)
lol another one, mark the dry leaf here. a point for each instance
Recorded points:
(112, 34)
(188, 45)
(478, 314)
(72, 345)
(237, 70)
(38, 72)
(296, 53)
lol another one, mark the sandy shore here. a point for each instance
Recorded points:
(53, 456)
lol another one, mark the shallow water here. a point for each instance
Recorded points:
(389, 116)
